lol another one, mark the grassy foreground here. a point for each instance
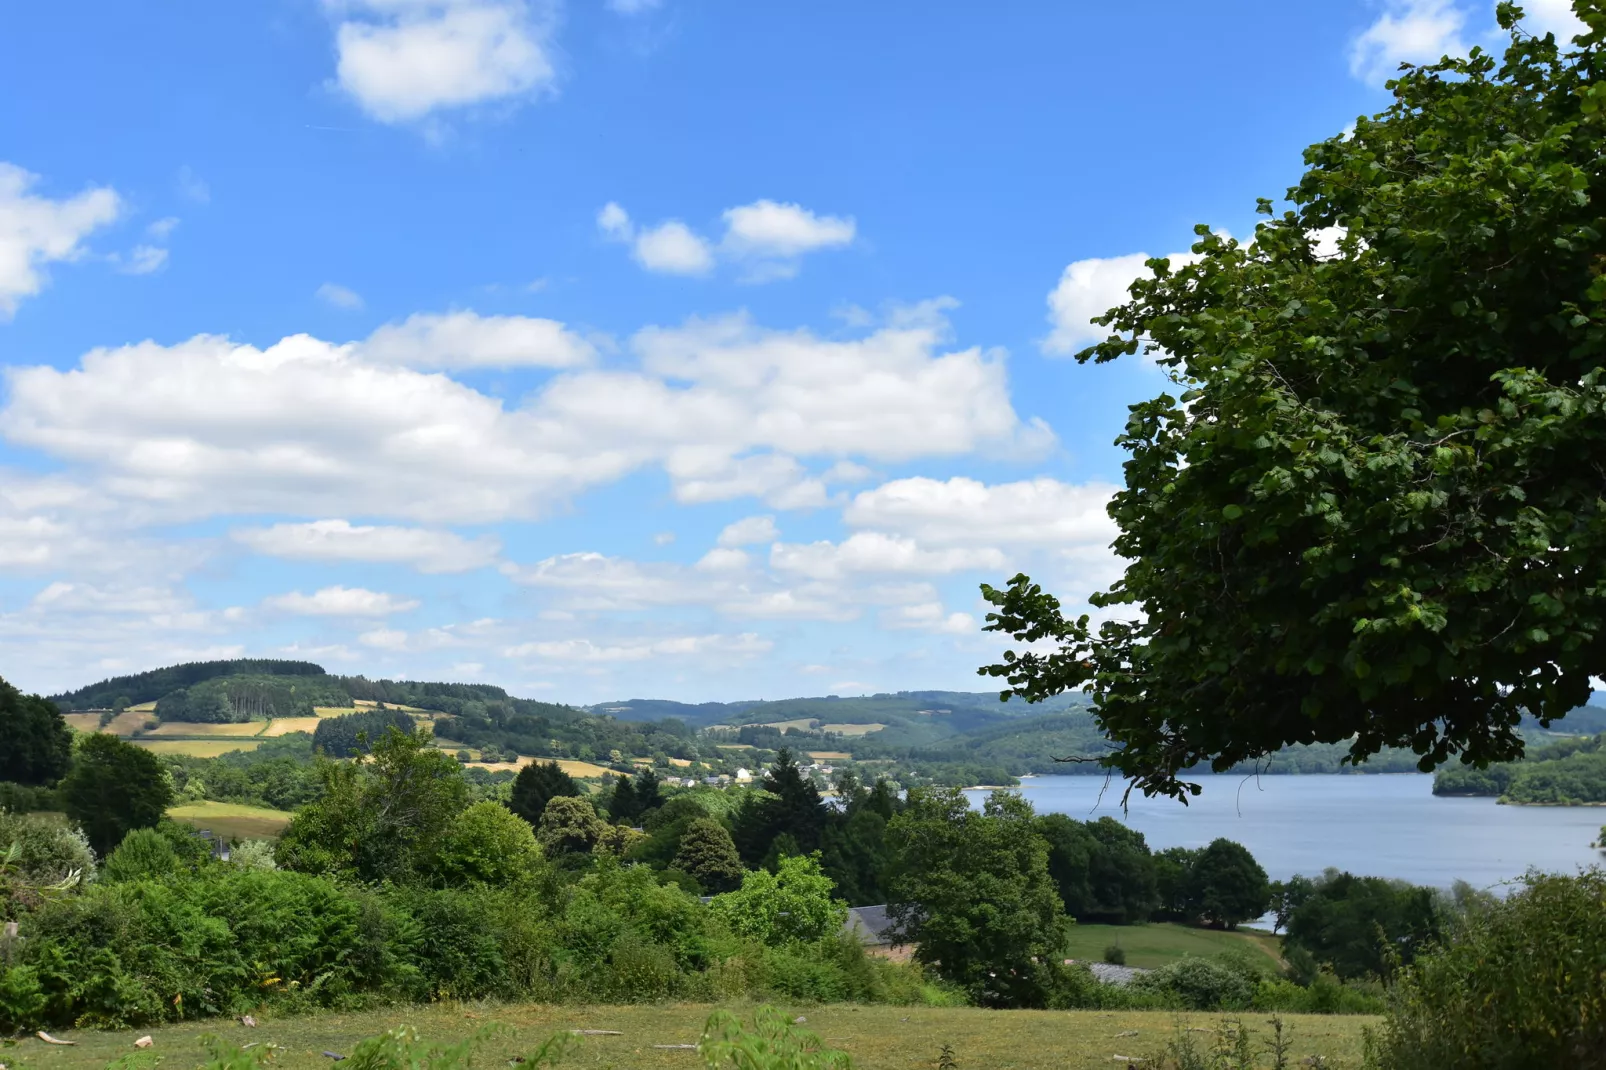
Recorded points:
(1158, 943)
(878, 1038)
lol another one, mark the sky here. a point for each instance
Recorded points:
(606, 348)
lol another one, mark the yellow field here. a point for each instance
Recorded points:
(333, 711)
(232, 819)
(185, 729)
(583, 770)
(852, 729)
(830, 755)
(143, 707)
(680, 763)
(800, 723)
(280, 726)
(197, 748)
(82, 722)
(875, 1037)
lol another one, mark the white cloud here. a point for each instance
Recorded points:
(745, 645)
(306, 427)
(336, 296)
(773, 236)
(35, 231)
(192, 187)
(340, 540)
(965, 512)
(467, 340)
(873, 552)
(671, 248)
(663, 538)
(162, 229)
(384, 639)
(724, 559)
(144, 259)
(403, 60)
(749, 530)
(1552, 16)
(767, 237)
(341, 602)
(1408, 31)
(929, 617)
(1089, 288)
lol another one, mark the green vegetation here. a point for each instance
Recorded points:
(232, 820)
(872, 1036)
(113, 788)
(1157, 943)
(1569, 773)
(1370, 515)
(345, 735)
(35, 744)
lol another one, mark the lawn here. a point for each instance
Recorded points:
(232, 819)
(1159, 943)
(196, 748)
(878, 1038)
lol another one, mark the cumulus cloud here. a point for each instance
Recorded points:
(342, 541)
(309, 428)
(767, 237)
(877, 553)
(405, 60)
(749, 530)
(143, 260)
(336, 296)
(1408, 31)
(928, 617)
(961, 511)
(36, 230)
(341, 602)
(1089, 288)
(467, 340)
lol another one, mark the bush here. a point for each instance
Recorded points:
(144, 854)
(1199, 984)
(487, 844)
(1115, 955)
(113, 788)
(1517, 984)
(26, 798)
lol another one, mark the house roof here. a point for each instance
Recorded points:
(870, 924)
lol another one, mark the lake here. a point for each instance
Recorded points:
(1382, 825)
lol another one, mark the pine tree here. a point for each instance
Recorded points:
(538, 784)
(624, 806)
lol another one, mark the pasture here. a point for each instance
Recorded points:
(232, 819)
(802, 724)
(829, 755)
(577, 769)
(189, 730)
(283, 726)
(1158, 943)
(852, 729)
(196, 748)
(652, 1036)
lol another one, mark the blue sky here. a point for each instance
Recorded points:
(604, 349)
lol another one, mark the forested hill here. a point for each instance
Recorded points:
(150, 686)
(1569, 773)
(829, 709)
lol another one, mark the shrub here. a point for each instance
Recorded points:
(26, 798)
(487, 844)
(1199, 984)
(253, 854)
(143, 854)
(792, 904)
(48, 849)
(1518, 984)
(1115, 955)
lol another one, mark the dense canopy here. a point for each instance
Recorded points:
(1371, 513)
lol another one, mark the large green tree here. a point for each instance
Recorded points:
(382, 816)
(1371, 511)
(538, 784)
(35, 743)
(972, 892)
(1228, 885)
(112, 789)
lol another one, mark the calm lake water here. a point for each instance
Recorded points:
(1383, 825)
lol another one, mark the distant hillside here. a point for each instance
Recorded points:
(150, 686)
(867, 709)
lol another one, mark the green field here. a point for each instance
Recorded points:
(232, 819)
(878, 1038)
(1157, 944)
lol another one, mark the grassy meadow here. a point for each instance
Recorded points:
(852, 729)
(187, 730)
(232, 819)
(877, 1037)
(196, 748)
(1158, 943)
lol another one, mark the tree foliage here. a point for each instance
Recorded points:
(795, 903)
(538, 784)
(350, 734)
(1371, 512)
(35, 743)
(708, 853)
(1357, 926)
(382, 816)
(112, 789)
(971, 891)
